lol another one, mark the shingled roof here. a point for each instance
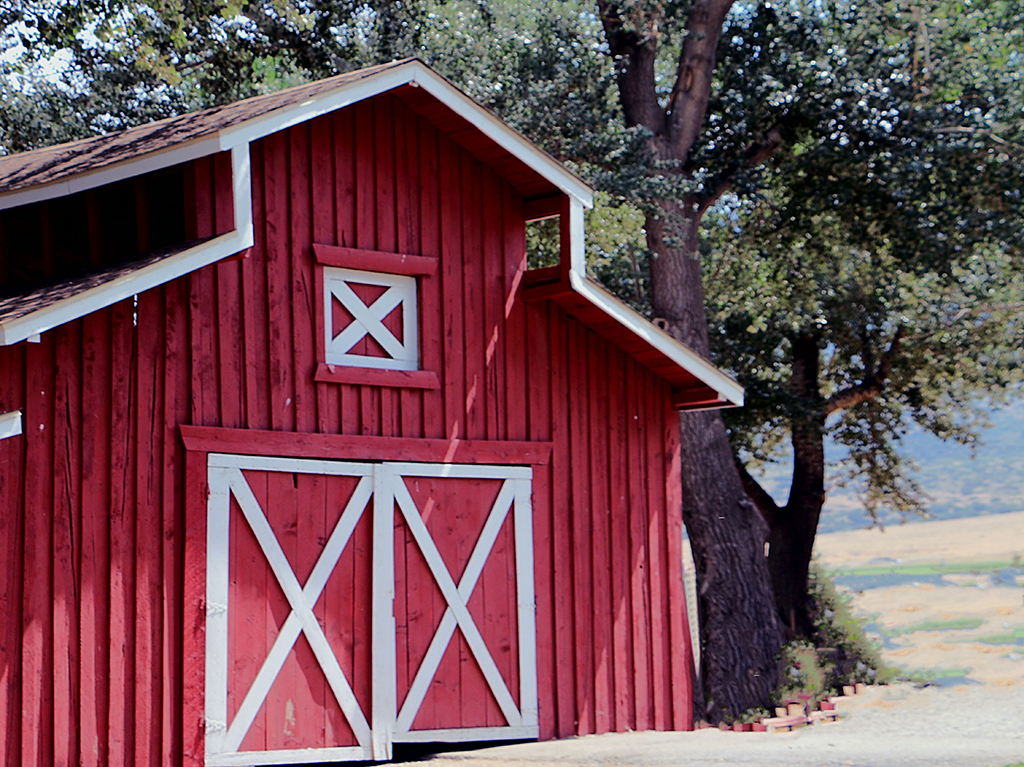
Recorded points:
(56, 163)
(43, 173)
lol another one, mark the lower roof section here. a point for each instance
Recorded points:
(699, 385)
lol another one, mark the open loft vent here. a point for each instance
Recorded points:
(122, 223)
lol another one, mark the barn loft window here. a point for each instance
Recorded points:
(55, 240)
(368, 317)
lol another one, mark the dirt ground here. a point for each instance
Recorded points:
(894, 726)
(966, 624)
(993, 537)
(961, 623)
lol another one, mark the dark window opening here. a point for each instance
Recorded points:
(65, 238)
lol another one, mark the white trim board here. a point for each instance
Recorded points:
(91, 179)
(686, 358)
(10, 424)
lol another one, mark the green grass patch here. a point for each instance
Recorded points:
(927, 568)
(921, 675)
(1005, 637)
(952, 624)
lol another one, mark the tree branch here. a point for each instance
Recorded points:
(634, 57)
(763, 502)
(989, 134)
(688, 103)
(873, 383)
(757, 153)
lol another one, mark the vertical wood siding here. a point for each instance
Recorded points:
(93, 494)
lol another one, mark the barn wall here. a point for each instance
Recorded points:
(92, 534)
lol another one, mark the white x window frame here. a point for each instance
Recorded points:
(380, 486)
(400, 292)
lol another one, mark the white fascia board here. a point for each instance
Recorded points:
(10, 424)
(101, 296)
(686, 358)
(414, 73)
(577, 239)
(113, 173)
(321, 104)
(151, 276)
(501, 134)
(241, 195)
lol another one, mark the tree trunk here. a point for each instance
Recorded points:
(740, 632)
(794, 526)
(793, 530)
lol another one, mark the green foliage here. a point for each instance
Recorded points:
(802, 671)
(929, 674)
(1006, 637)
(844, 654)
(879, 223)
(838, 653)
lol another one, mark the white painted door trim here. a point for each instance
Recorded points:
(225, 478)
(384, 483)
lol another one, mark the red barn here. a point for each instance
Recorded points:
(299, 460)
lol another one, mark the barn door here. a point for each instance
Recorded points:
(467, 657)
(350, 605)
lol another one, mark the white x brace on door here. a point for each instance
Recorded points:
(381, 490)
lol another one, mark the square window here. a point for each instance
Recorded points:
(370, 319)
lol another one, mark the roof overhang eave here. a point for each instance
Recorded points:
(717, 390)
(413, 72)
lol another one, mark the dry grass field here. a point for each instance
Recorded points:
(945, 599)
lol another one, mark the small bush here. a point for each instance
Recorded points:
(844, 654)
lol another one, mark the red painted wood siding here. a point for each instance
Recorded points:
(93, 494)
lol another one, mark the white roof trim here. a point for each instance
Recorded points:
(419, 74)
(323, 103)
(728, 390)
(501, 134)
(151, 276)
(112, 173)
(410, 73)
(10, 424)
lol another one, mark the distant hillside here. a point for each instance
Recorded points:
(959, 486)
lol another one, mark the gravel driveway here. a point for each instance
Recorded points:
(975, 726)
